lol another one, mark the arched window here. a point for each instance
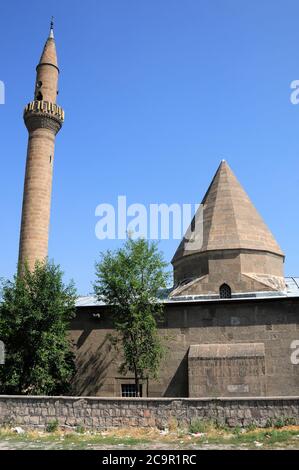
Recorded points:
(39, 96)
(225, 292)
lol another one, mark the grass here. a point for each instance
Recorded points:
(268, 437)
(252, 438)
(211, 435)
(69, 439)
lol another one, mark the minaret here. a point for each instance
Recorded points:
(43, 119)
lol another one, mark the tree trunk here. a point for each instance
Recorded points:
(136, 382)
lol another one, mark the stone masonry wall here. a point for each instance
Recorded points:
(273, 322)
(215, 369)
(103, 413)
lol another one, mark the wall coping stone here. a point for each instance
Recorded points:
(147, 399)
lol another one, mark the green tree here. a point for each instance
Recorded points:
(35, 310)
(129, 280)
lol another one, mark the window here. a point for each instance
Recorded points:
(39, 96)
(129, 390)
(225, 292)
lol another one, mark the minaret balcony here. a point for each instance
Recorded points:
(45, 107)
(43, 114)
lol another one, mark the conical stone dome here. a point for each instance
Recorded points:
(227, 243)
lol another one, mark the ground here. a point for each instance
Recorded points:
(209, 437)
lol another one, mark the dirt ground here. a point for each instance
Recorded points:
(208, 438)
(150, 446)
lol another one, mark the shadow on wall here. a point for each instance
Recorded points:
(92, 365)
(178, 386)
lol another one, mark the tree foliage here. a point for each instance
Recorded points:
(129, 280)
(35, 310)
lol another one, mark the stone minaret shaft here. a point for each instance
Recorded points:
(43, 119)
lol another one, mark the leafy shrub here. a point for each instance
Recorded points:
(280, 422)
(80, 429)
(237, 430)
(198, 425)
(52, 426)
(251, 427)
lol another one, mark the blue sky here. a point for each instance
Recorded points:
(156, 93)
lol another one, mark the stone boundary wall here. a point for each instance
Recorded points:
(103, 413)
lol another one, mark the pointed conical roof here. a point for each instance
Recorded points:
(49, 55)
(230, 220)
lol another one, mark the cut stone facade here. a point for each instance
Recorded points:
(217, 370)
(237, 346)
(271, 322)
(227, 242)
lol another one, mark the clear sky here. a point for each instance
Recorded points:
(156, 93)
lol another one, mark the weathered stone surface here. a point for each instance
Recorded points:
(230, 244)
(21, 411)
(43, 119)
(275, 375)
(221, 369)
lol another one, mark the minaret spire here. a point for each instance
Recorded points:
(51, 35)
(49, 56)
